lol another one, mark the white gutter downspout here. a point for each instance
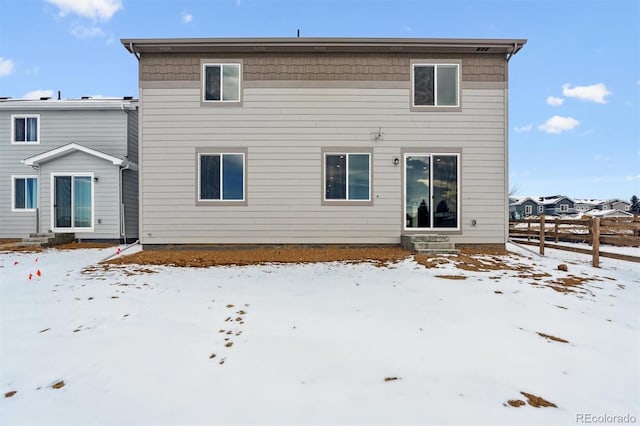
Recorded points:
(123, 226)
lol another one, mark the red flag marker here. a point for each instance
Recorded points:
(30, 276)
(118, 251)
(39, 273)
(15, 263)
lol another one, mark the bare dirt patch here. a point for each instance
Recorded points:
(83, 245)
(452, 277)
(553, 338)
(537, 401)
(281, 254)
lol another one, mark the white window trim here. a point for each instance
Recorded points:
(204, 83)
(13, 129)
(93, 200)
(404, 189)
(540, 209)
(13, 193)
(435, 106)
(244, 174)
(324, 183)
(528, 209)
(564, 207)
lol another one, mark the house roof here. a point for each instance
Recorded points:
(516, 201)
(68, 104)
(608, 213)
(312, 44)
(68, 149)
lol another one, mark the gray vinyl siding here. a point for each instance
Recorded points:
(130, 182)
(284, 130)
(106, 193)
(102, 130)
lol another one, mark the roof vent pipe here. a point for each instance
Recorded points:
(59, 95)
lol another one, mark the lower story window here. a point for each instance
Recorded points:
(221, 176)
(347, 177)
(432, 195)
(25, 193)
(528, 209)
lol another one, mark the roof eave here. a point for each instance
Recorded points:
(191, 45)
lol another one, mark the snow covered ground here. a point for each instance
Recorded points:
(314, 343)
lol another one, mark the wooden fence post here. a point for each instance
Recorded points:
(529, 230)
(596, 242)
(555, 230)
(542, 234)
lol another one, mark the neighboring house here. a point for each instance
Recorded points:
(69, 166)
(584, 205)
(323, 140)
(520, 207)
(556, 205)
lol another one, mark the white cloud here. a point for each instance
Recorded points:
(80, 31)
(187, 17)
(636, 177)
(553, 101)
(594, 93)
(521, 129)
(6, 67)
(37, 94)
(557, 124)
(93, 9)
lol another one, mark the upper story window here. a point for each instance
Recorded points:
(564, 207)
(221, 82)
(436, 85)
(221, 177)
(347, 176)
(540, 209)
(25, 193)
(25, 129)
(528, 209)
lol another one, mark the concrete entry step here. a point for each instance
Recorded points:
(428, 244)
(46, 239)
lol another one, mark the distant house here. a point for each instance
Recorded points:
(69, 166)
(584, 205)
(323, 140)
(520, 207)
(556, 205)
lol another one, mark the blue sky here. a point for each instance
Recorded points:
(574, 89)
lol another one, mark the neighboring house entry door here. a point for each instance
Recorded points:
(72, 202)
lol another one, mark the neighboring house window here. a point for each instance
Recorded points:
(540, 209)
(25, 129)
(221, 176)
(25, 193)
(564, 207)
(528, 209)
(221, 82)
(347, 176)
(436, 85)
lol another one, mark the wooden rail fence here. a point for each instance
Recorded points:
(549, 232)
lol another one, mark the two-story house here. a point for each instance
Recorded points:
(323, 140)
(520, 207)
(556, 205)
(69, 166)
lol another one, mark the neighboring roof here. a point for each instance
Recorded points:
(69, 104)
(608, 213)
(68, 149)
(554, 199)
(304, 44)
(516, 201)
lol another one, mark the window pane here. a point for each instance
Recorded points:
(359, 176)
(19, 191)
(232, 177)
(336, 177)
(20, 126)
(447, 85)
(31, 193)
(212, 83)
(62, 205)
(32, 129)
(210, 177)
(417, 195)
(423, 77)
(445, 191)
(82, 201)
(231, 83)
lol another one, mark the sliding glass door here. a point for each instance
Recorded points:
(431, 192)
(73, 202)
